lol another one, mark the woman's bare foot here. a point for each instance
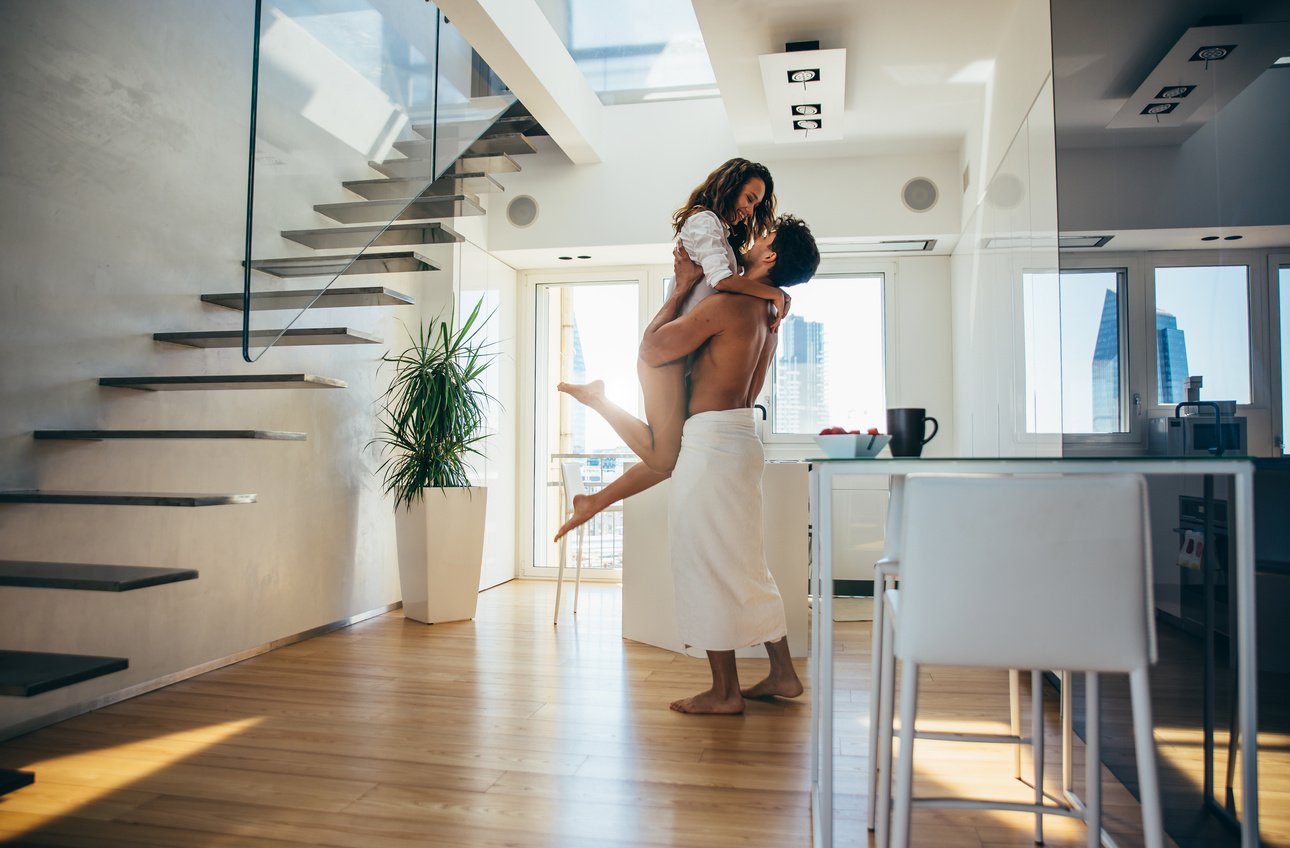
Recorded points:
(709, 703)
(586, 393)
(583, 511)
(775, 686)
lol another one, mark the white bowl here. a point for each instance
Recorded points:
(852, 445)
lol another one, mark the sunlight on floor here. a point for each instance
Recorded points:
(75, 781)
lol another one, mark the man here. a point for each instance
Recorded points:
(726, 598)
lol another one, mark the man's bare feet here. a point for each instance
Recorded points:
(709, 703)
(586, 393)
(775, 686)
(583, 511)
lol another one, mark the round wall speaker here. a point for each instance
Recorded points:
(919, 194)
(522, 211)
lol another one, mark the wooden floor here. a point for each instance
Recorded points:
(498, 732)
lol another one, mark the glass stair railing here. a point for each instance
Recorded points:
(373, 126)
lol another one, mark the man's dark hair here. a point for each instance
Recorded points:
(796, 256)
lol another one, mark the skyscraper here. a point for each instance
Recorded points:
(1106, 368)
(800, 377)
(1171, 359)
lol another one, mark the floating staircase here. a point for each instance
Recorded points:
(398, 210)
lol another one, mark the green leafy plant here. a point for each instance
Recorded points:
(433, 413)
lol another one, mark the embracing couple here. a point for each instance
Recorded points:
(703, 360)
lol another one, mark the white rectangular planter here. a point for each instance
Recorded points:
(441, 551)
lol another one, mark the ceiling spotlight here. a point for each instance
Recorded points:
(807, 125)
(804, 76)
(1159, 108)
(1175, 92)
(807, 109)
(1209, 238)
(1231, 238)
(583, 256)
(1212, 53)
(567, 258)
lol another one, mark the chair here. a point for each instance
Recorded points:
(979, 560)
(571, 483)
(886, 573)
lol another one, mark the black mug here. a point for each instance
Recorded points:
(907, 427)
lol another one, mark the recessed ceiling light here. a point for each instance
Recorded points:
(1231, 238)
(1212, 53)
(812, 124)
(1083, 241)
(1209, 238)
(855, 248)
(567, 258)
(806, 109)
(1159, 108)
(804, 75)
(584, 256)
(1175, 92)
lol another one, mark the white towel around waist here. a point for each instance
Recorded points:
(726, 598)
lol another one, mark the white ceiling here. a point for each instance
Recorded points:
(916, 71)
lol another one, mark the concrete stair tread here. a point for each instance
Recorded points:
(369, 263)
(503, 143)
(38, 496)
(395, 235)
(186, 382)
(513, 124)
(79, 575)
(101, 435)
(287, 338)
(27, 673)
(12, 779)
(401, 209)
(412, 168)
(330, 298)
(391, 189)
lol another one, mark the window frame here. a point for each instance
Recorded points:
(831, 268)
(1277, 334)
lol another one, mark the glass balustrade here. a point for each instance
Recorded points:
(361, 113)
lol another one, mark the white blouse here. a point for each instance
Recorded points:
(704, 237)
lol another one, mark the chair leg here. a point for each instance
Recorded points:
(905, 768)
(877, 674)
(885, 725)
(1092, 760)
(577, 571)
(1037, 746)
(1014, 717)
(1145, 746)
(1068, 734)
(559, 578)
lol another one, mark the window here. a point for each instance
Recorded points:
(828, 368)
(1074, 326)
(1202, 328)
(1284, 297)
(585, 331)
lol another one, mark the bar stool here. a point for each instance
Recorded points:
(979, 560)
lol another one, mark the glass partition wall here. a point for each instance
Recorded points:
(361, 110)
(1173, 224)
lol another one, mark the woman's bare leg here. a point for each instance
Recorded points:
(635, 480)
(657, 442)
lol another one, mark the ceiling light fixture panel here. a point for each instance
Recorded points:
(797, 82)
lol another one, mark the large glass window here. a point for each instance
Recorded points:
(635, 50)
(587, 331)
(1284, 297)
(828, 369)
(1202, 328)
(1074, 326)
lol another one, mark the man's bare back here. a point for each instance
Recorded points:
(729, 368)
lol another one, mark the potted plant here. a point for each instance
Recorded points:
(431, 419)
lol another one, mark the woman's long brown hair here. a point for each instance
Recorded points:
(720, 192)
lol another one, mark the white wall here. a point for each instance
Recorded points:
(654, 154)
(121, 201)
(1017, 200)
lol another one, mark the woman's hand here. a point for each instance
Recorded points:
(687, 271)
(782, 305)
